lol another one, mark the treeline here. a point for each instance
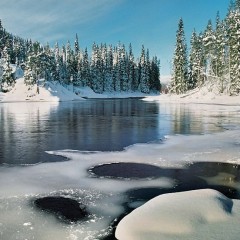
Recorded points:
(107, 69)
(214, 56)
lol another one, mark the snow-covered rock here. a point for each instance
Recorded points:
(198, 214)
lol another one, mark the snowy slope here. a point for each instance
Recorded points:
(54, 91)
(205, 94)
(198, 214)
(87, 92)
(49, 91)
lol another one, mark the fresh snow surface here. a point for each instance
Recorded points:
(199, 214)
(55, 92)
(206, 94)
(48, 92)
(87, 92)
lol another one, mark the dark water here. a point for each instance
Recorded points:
(27, 130)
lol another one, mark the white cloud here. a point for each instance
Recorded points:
(46, 20)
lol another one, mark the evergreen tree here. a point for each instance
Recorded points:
(196, 62)
(233, 41)
(97, 80)
(219, 65)
(8, 80)
(209, 45)
(76, 45)
(144, 72)
(154, 81)
(179, 82)
(237, 5)
(56, 74)
(132, 80)
(86, 78)
(123, 77)
(109, 85)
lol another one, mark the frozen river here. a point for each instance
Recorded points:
(65, 150)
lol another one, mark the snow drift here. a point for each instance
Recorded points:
(198, 214)
(48, 92)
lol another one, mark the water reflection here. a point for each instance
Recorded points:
(27, 130)
(21, 125)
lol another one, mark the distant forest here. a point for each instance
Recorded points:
(214, 56)
(107, 69)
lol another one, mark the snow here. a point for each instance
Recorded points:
(203, 95)
(55, 92)
(48, 92)
(87, 92)
(198, 214)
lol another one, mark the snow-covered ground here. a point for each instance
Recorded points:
(49, 92)
(87, 92)
(199, 214)
(198, 95)
(55, 92)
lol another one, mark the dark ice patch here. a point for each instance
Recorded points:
(126, 170)
(65, 209)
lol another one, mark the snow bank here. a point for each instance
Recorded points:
(55, 92)
(87, 92)
(199, 214)
(204, 95)
(48, 92)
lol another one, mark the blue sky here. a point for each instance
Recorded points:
(149, 22)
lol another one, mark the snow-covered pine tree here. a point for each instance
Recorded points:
(233, 42)
(109, 85)
(103, 50)
(132, 80)
(62, 66)
(76, 45)
(71, 66)
(85, 70)
(196, 62)
(123, 68)
(56, 73)
(179, 83)
(96, 64)
(209, 48)
(117, 71)
(29, 77)
(7, 81)
(237, 5)
(143, 72)
(40, 65)
(219, 64)
(155, 84)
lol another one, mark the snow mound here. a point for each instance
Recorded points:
(198, 214)
(48, 92)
